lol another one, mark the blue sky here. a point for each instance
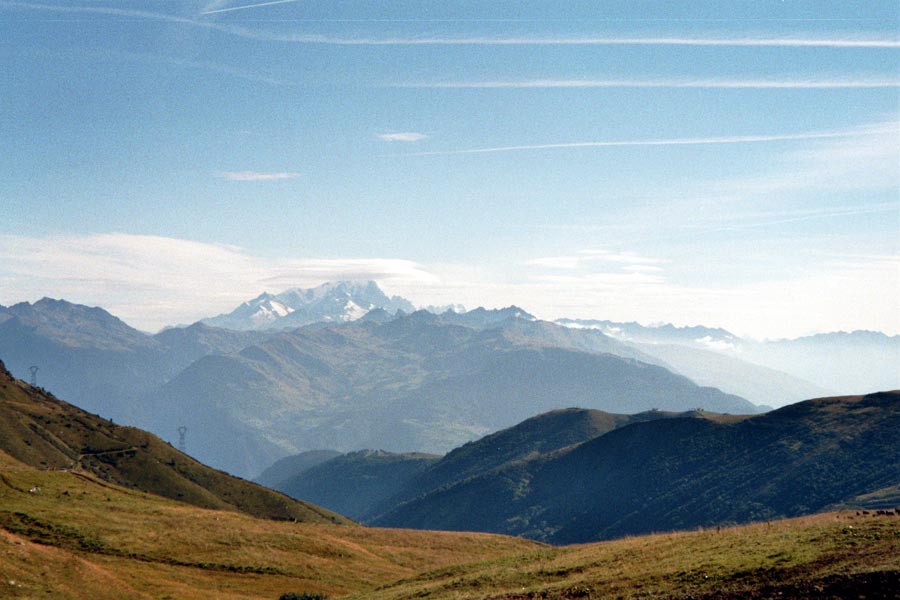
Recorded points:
(725, 163)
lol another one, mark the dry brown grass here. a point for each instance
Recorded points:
(81, 538)
(745, 561)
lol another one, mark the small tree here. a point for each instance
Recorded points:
(302, 596)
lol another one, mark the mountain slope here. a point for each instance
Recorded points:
(99, 362)
(79, 538)
(184, 345)
(409, 384)
(291, 466)
(83, 353)
(352, 483)
(42, 431)
(681, 473)
(539, 435)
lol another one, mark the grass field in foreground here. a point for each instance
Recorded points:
(833, 555)
(77, 537)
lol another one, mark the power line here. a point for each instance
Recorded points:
(182, 430)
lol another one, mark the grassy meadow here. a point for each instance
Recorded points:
(832, 555)
(77, 537)
(71, 535)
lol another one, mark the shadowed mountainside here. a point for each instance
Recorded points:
(364, 485)
(351, 484)
(683, 472)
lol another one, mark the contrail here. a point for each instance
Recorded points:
(301, 38)
(742, 139)
(660, 83)
(246, 6)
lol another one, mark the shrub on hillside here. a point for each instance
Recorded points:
(302, 596)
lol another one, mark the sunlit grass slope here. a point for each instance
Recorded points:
(832, 555)
(45, 432)
(74, 536)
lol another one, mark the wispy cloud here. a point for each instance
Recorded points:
(738, 139)
(409, 136)
(755, 84)
(248, 6)
(256, 175)
(153, 281)
(854, 41)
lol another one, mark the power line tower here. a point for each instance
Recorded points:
(34, 371)
(181, 433)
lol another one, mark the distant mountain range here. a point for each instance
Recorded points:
(576, 476)
(413, 383)
(99, 362)
(821, 364)
(403, 380)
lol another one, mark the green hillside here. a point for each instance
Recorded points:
(39, 430)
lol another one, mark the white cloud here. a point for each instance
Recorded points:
(257, 175)
(153, 281)
(715, 344)
(409, 136)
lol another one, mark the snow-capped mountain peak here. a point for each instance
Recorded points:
(338, 301)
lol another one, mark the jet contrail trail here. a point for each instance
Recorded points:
(246, 6)
(744, 139)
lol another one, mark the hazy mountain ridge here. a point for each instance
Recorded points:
(698, 335)
(835, 363)
(759, 384)
(98, 361)
(409, 384)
